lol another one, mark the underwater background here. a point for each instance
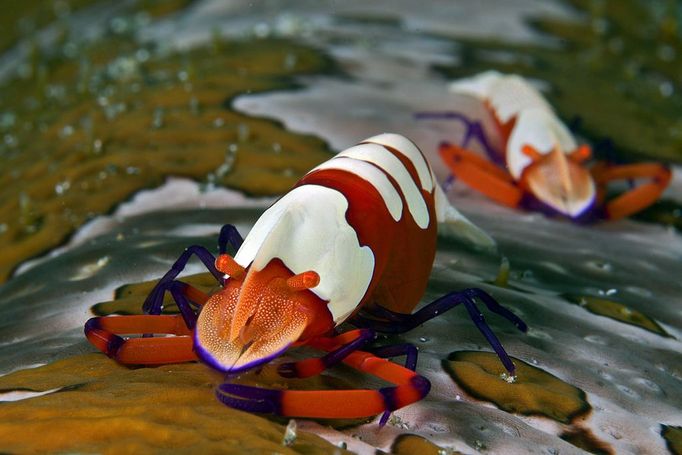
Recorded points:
(130, 130)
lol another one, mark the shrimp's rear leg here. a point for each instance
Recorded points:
(467, 298)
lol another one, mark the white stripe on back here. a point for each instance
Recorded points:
(371, 174)
(391, 164)
(407, 148)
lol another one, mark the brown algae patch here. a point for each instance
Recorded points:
(108, 408)
(22, 17)
(128, 298)
(618, 70)
(83, 134)
(535, 392)
(408, 444)
(673, 438)
(586, 440)
(619, 312)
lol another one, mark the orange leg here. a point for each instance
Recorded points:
(637, 198)
(409, 388)
(481, 175)
(103, 333)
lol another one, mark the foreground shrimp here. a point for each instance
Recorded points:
(539, 165)
(354, 241)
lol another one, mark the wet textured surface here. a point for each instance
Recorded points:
(132, 410)
(621, 346)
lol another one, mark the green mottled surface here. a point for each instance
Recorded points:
(619, 72)
(86, 133)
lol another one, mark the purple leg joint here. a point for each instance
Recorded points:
(289, 370)
(441, 305)
(408, 350)
(153, 304)
(250, 399)
(474, 130)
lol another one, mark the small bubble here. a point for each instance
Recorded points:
(218, 122)
(3, 228)
(10, 140)
(142, 55)
(97, 146)
(157, 118)
(70, 50)
(118, 25)
(66, 131)
(194, 105)
(276, 148)
(132, 170)
(423, 339)
(508, 378)
(243, 132)
(666, 52)
(7, 120)
(261, 30)
(62, 187)
(600, 26)
(666, 89)
(290, 61)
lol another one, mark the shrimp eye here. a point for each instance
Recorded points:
(227, 265)
(531, 152)
(303, 281)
